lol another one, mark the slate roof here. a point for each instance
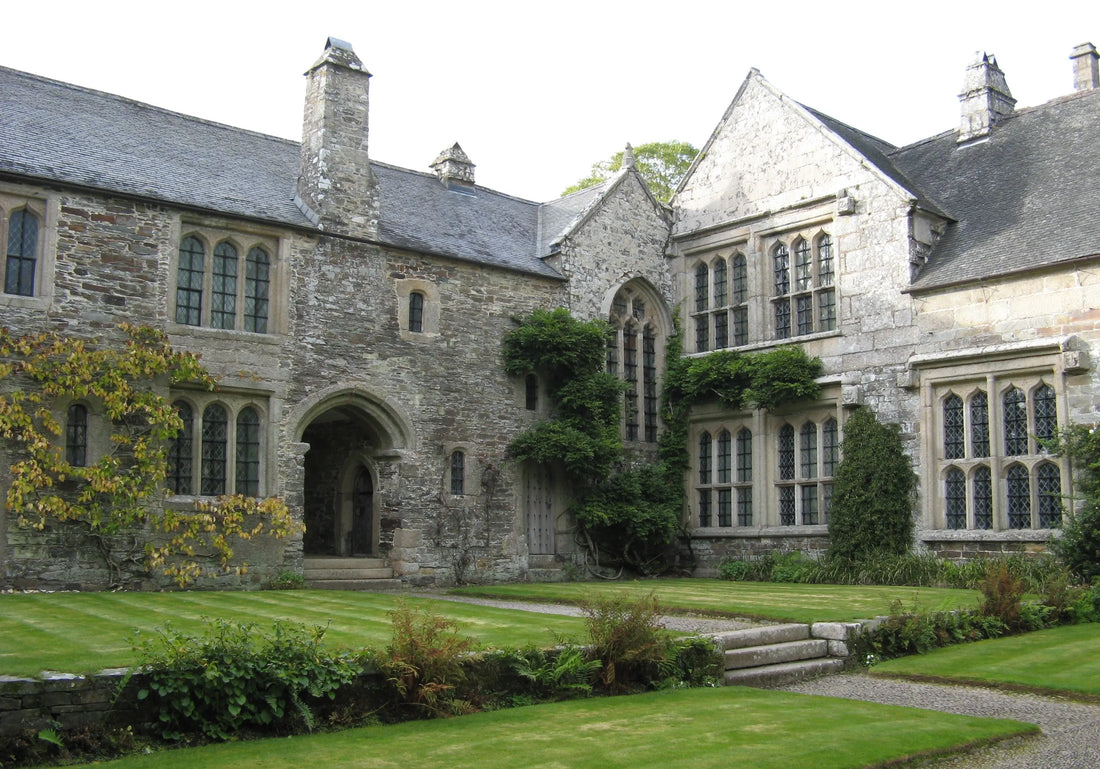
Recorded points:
(1025, 198)
(62, 133)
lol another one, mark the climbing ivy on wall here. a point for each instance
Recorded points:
(630, 516)
(115, 492)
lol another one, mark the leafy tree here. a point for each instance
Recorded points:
(872, 507)
(661, 164)
(1079, 547)
(117, 493)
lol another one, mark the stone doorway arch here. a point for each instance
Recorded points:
(354, 438)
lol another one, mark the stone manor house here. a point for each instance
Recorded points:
(354, 313)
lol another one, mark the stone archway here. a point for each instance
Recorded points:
(350, 434)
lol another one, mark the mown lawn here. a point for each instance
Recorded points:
(85, 632)
(1063, 659)
(766, 600)
(693, 729)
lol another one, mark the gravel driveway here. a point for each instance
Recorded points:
(1071, 730)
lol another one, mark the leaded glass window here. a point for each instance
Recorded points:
(1019, 498)
(630, 374)
(744, 505)
(826, 310)
(725, 450)
(786, 453)
(809, 504)
(744, 455)
(720, 283)
(1015, 422)
(257, 289)
(740, 325)
(830, 448)
(786, 506)
(740, 279)
(721, 330)
(649, 383)
(416, 312)
(979, 424)
(803, 266)
(189, 276)
(954, 429)
(531, 392)
(179, 452)
(22, 254)
(804, 313)
(725, 507)
(701, 288)
(76, 435)
(215, 429)
(955, 495)
(704, 507)
(702, 333)
(458, 473)
(1049, 485)
(704, 458)
(825, 261)
(808, 452)
(1046, 414)
(782, 319)
(223, 288)
(983, 498)
(248, 452)
(781, 259)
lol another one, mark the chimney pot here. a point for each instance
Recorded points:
(1086, 67)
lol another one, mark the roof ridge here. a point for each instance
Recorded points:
(145, 104)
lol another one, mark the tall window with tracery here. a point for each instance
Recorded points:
(248, 452)
(1014, 484)
(633, 355)
(807, 461)
(215, 435)
(220, 298)
(724, 478)
(803, 298)
(76, 435)
(22, 253)
(179, 452)
(224, 443)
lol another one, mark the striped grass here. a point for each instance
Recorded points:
(1063, 659)
(692, 729)
(86, 632)
(765, 600)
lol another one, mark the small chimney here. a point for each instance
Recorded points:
(336, 188)
(453, 167)
(628, 157)
(1086, 67)
(985, 98)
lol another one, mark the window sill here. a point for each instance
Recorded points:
(771, 343)
(746, 532)
(205, 332)
(988, 535)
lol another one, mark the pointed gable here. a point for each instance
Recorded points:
(767, 153)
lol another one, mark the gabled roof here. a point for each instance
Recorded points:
(1025, 198)
(65, 135)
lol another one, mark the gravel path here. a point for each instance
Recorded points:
(1071, 730)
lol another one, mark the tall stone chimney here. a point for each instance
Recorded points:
(985, 98)
(335, 185)
(1086, 67)
(454, 168)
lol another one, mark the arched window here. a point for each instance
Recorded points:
(721, 317)
(1046, 414)
(983, 498)
(630, 374)
(179, 452)
(803, 266)
(979, 424)
(416, 312)
(458, 473)
(744, 477)
(701, 289)
(1015, 422)
(725, 456)
(76, 435)
(189, 277)
(632, 354)
(954, 429)
(1048, 483)
(830, 448)
(257, 290)
(215, 426)
(740, 310)
(781, 260)
(720, 283)
(808, 440)
(22, 254)
(825, 261)
(1019, 498)
(649, 383)
(248, 452)
(704, 459)
(786, 472)
(955, 494)
(223, 288)
(531, 392)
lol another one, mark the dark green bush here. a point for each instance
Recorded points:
(913, 631)
(1079, 546)
(235, 676)
(872, 507)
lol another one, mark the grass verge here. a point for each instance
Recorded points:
(1063, 660)
(693, 729)
(85, 632)
(765, 600)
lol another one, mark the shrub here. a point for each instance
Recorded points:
(626, 637)
(1079, 547)
(915, 632)
(234, 676)
(1002, 595)
(735, 570)
(286, 580)
(560, 673)
(872, 507)
(424, 661)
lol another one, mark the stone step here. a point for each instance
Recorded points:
(338, 562)
(761, 636)
(313, 574)
(783, 673)
(355, 584)
(772, 654)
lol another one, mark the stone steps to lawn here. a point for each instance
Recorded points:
(336, 573)
(774, 655)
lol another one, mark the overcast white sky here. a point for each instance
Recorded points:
(537, 92)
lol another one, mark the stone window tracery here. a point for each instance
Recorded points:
(210, 291)
(803, 298)
(225, 441)
(634, 355)
(22, 253)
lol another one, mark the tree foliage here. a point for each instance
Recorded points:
(40, 375)
(872, 506)
(661, 164)
(1079, 546)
